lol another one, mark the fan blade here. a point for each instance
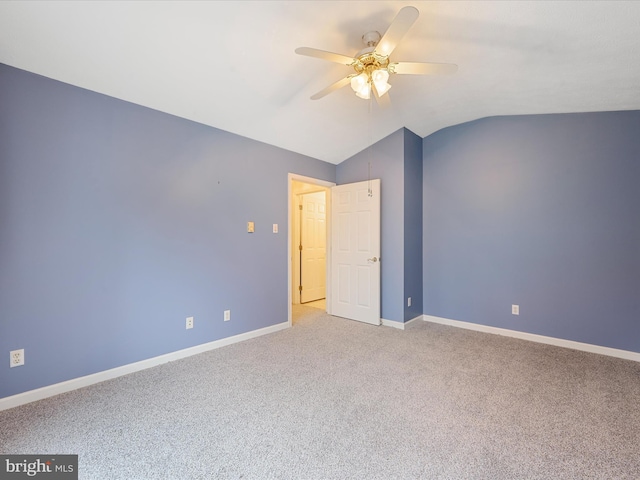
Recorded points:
(332, 57)
(412, 68)
(400, 25)
(335, 86)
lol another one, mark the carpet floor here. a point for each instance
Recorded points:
(337, 399)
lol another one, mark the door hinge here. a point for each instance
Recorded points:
(300, 207)
(300, 288)
(300, 248)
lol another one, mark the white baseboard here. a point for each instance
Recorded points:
(80, 382)
(392, 324)
(532, 337)
(399, 325)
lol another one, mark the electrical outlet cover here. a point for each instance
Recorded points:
(16, 358)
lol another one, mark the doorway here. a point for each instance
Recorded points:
(352, 227)
(309, 205)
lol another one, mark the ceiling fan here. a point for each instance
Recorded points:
(372, 65)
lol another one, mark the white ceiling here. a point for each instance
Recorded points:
(231, 64)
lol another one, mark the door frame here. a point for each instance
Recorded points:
(290, 225)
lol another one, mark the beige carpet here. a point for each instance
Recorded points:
(336, 399)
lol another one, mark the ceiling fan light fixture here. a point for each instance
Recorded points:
(372, 65)
(359, 81)
(382, 89)
(364, 91)
(361, 84)
(380, 78)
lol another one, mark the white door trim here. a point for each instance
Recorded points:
(290, 224)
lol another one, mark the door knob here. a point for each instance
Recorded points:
(374, 259)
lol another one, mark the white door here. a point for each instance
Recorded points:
(313, 246)
(355, 251)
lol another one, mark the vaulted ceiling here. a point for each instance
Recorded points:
(232, 65)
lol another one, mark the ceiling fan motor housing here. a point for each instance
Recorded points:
(366, 60)
(371, 39)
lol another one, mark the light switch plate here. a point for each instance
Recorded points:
(250, 227)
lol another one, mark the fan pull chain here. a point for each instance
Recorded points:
(369, 189)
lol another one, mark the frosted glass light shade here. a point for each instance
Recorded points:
(380, 78)
(361, 85)
(364, 91)
(359, 81)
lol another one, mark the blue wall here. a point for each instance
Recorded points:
(117, 222)
(541, 211)
(412, 225)
(397, 161)
(387, 164)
